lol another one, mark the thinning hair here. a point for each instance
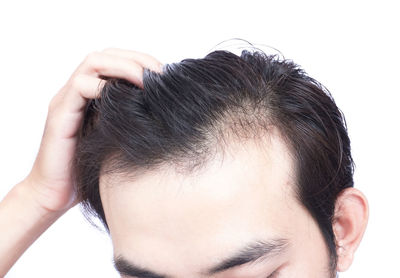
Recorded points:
(184, 115)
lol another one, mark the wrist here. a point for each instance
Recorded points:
(24, 221)
(24, 193)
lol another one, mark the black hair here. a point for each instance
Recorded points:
(183, 113)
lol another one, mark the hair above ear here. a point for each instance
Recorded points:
(350, 222)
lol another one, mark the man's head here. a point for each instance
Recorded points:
(221, 157)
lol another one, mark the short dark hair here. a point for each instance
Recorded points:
(183, 113)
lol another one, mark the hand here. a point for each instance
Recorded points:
(50, 181)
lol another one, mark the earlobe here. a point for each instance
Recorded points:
(350, 222)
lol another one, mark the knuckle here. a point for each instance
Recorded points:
(91, 56)
(108, 50)
(76, 82)
(53, 102)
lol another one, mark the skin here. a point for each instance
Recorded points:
(179, 225)
(173, 224)
(46, 193)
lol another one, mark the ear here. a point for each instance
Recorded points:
(350, 222)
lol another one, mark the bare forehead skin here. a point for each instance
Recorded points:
(192, 219)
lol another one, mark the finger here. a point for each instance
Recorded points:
(97, 63)
(76, 93)
(144, 59)
(87, 86)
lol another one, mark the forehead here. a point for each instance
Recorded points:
(238, 197)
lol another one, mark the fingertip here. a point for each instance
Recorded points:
(157, 68)
(139, 83)
(160, 67)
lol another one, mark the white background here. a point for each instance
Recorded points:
(351, 47)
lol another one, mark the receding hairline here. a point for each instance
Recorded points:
(259, 144)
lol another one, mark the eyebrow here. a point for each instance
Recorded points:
(252, 252)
